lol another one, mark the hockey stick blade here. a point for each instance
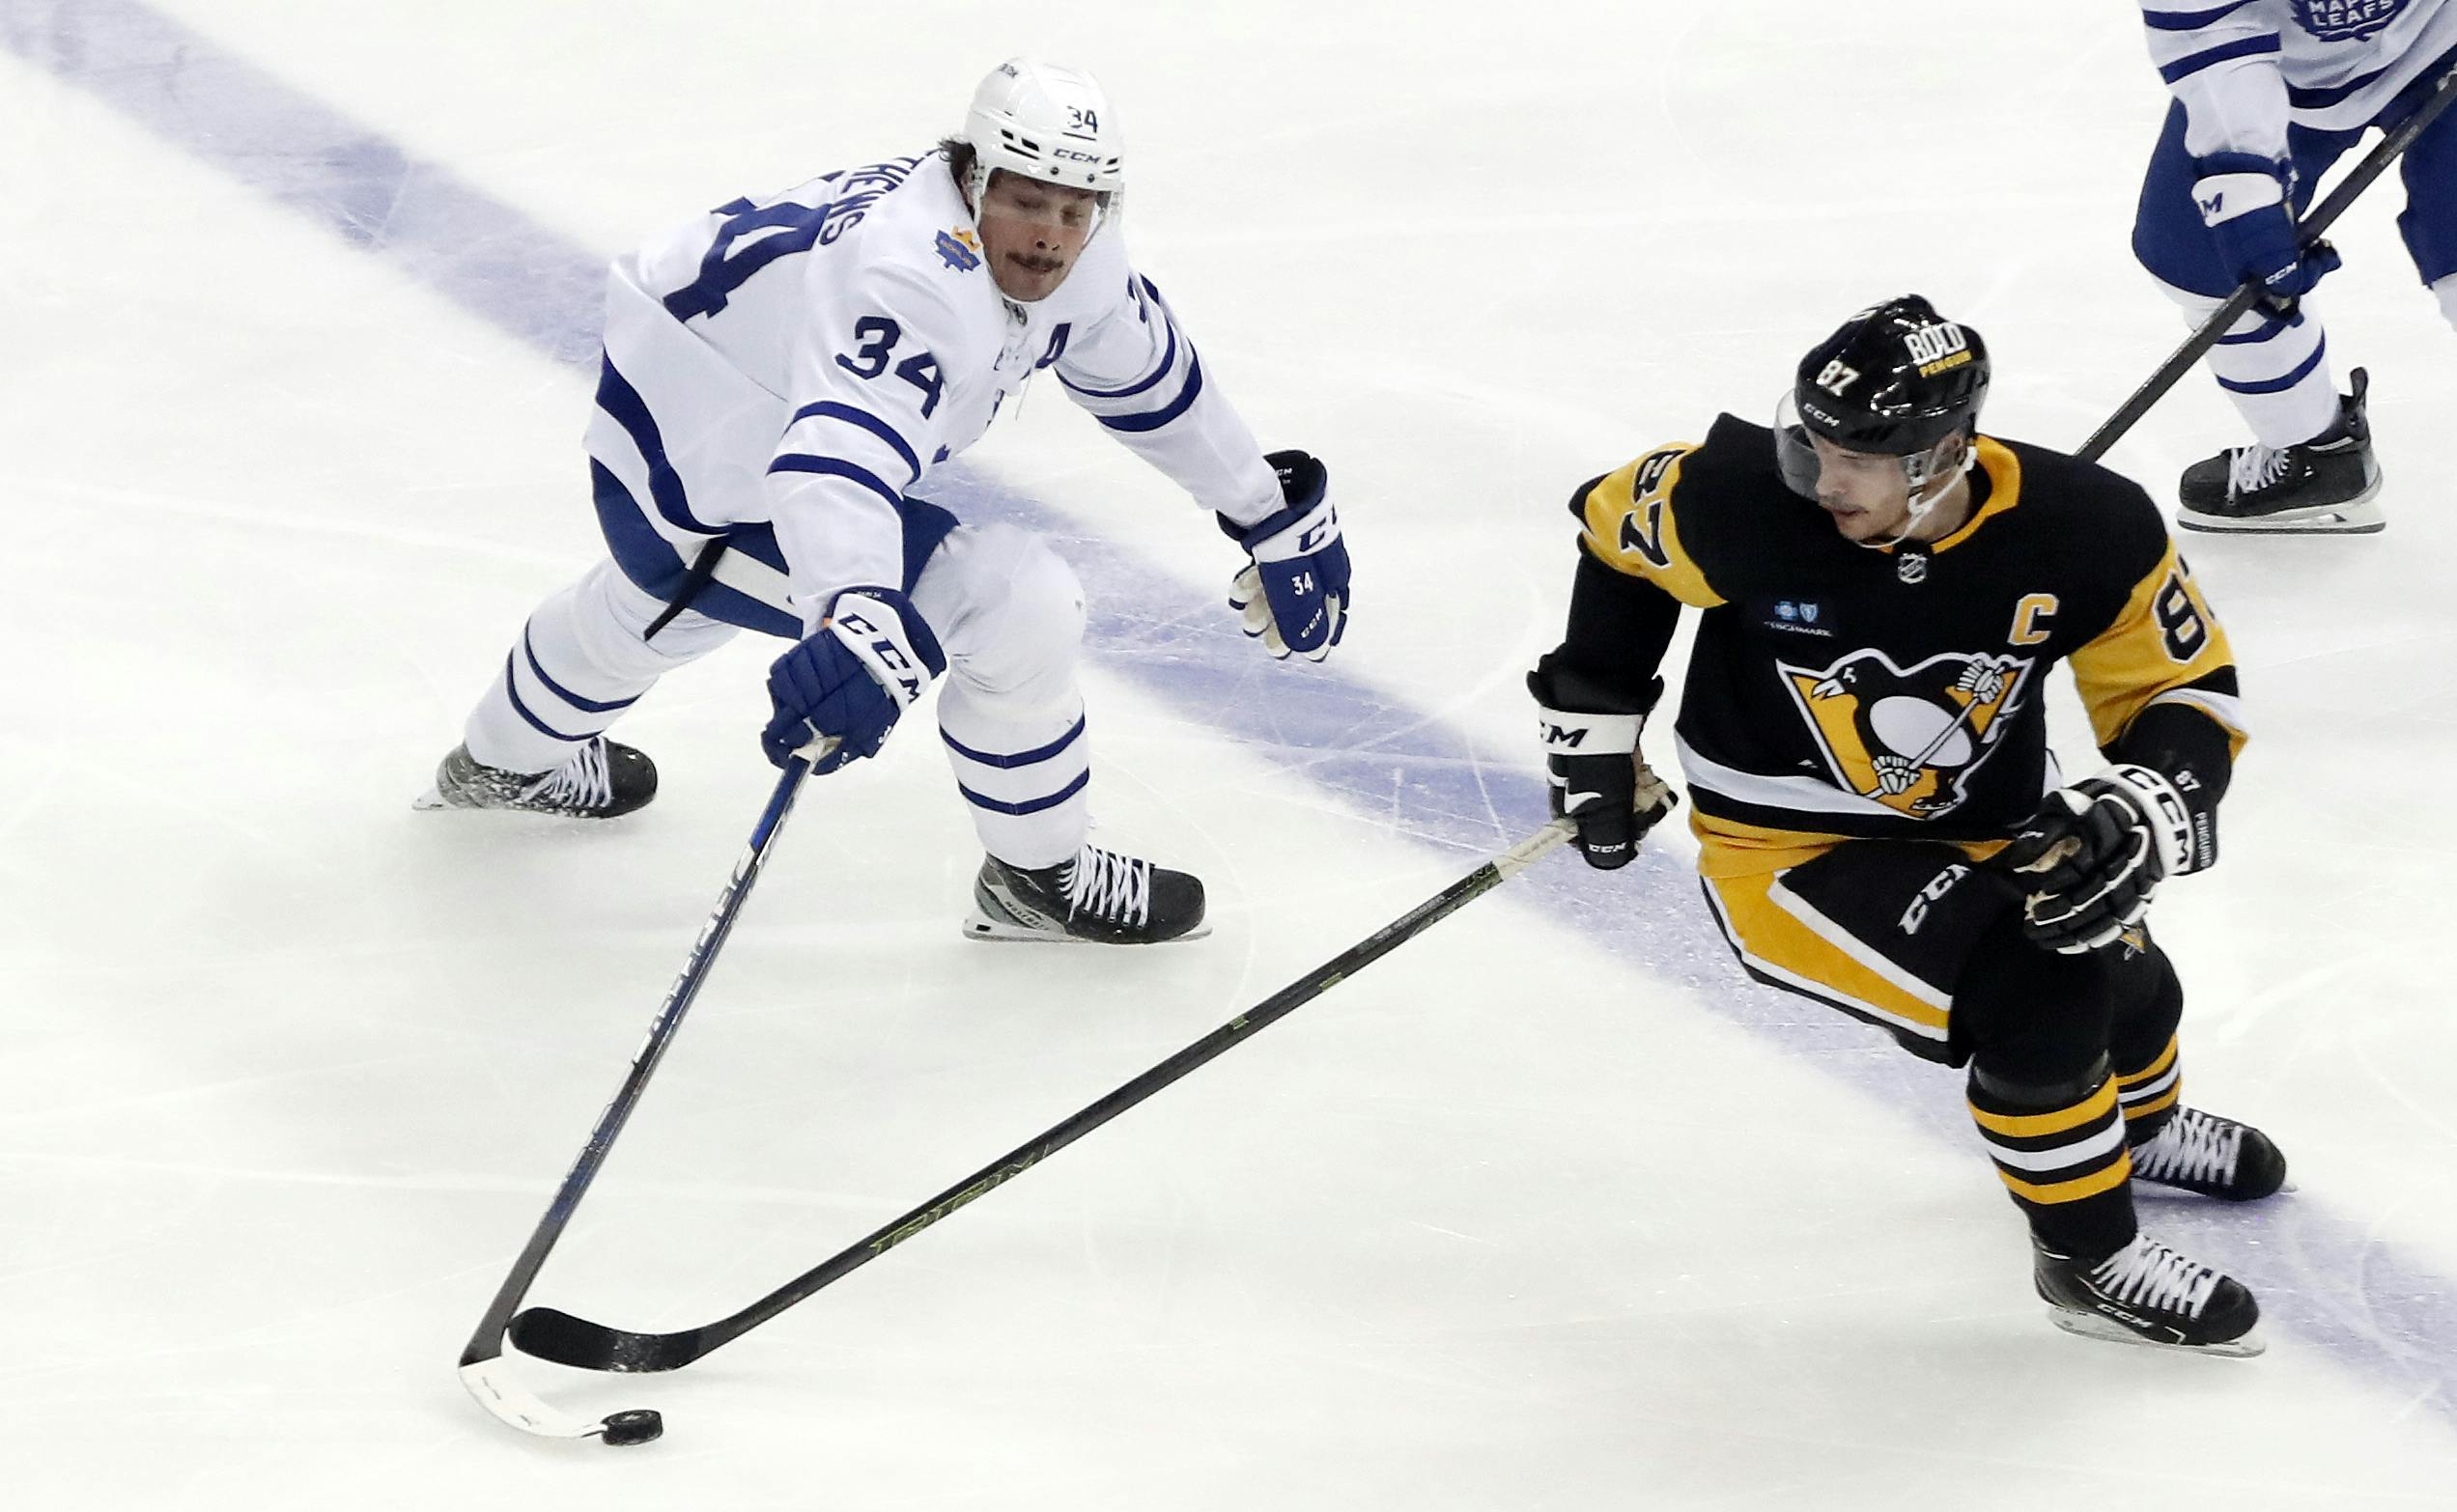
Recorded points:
(552, 1334)
(523, 1410)
(558, 1337)
(482, 1366)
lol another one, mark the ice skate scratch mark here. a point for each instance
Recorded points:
(533, 284)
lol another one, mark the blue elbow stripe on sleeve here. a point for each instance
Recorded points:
(2279, 385)
(1155, 419)
(830, 409)
(838, 467)
(1168, 358)
(2186, 67)
(2190, 20)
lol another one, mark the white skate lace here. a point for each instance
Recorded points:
(582, 782)
(1109, 885)
(2252, 468)
(2147, 1273)
(2193, 1147)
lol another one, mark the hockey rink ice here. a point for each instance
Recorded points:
(1551, 1209)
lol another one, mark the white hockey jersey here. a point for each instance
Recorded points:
(807, 360)
(2244, 70)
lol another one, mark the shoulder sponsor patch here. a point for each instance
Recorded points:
(958, 250)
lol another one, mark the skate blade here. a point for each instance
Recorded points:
(2359, 515)
(2090, 1326)
(995, 930)
(429, 800)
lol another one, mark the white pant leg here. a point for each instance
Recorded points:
(2447, 288)
(579, 663)
(1010, 614)
(2275, 370)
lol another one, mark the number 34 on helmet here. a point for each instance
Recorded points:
(1044, 121)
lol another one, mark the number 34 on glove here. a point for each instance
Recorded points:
(1294, 595)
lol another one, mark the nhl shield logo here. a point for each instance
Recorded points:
(2347, 20)
(1911, 567)
(1908, 739)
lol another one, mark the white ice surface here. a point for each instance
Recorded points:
(1549, 1210)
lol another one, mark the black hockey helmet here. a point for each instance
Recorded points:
(1895, 379)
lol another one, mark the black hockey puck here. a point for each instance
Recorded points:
(638, 1426)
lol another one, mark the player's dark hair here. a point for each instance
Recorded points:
(959, 155)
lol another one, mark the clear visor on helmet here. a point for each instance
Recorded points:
(1795, 455)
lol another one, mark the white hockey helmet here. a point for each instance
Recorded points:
(1044, 121)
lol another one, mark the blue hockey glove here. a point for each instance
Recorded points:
(2245, 201)
(1294, 595)
(849, 680)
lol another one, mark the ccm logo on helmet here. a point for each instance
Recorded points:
(1937, 348)
(1072, 156)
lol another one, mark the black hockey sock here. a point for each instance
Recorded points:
(2062, 1154)
(2141, 1041)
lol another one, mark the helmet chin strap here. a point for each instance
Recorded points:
(1922, 502)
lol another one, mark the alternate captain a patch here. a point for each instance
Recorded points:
(1911, 740)
(958, 250)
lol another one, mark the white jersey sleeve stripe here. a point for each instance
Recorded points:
(1154, 419)
(838, 467)
(2181, 69)
(2168, 19)
(1168, 358)
(832, 409)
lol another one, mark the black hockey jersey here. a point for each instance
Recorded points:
(1840, 692)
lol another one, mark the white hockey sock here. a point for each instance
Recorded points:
(1009, 613)
(2447, 288)
(1026, 781)
(575, 667)
(2276, 370)
(2277, 373)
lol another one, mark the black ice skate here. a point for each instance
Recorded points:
(2214, 1157)
(2148, 1294)
(2329, 485)
(1098, 898)
(601, 780)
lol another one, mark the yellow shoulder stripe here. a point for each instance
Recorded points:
(2164, 639)
(1628, 523)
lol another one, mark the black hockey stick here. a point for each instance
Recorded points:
(482, 1360)
(566, 1340)
(2311, 230)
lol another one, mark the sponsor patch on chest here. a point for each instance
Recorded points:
(1796, 615)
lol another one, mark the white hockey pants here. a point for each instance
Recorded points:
(1006, 610)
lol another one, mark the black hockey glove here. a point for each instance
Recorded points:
(2087, 862)
(1590, 735)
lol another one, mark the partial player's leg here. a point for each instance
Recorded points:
(2310, 467)
(2053, 1112)
(537, 739)
(2174, 1145)
(1913, 939)
(2429, 222)
(1010, 614)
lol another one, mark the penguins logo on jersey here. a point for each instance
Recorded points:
(2347, 20)
(1907, 738)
